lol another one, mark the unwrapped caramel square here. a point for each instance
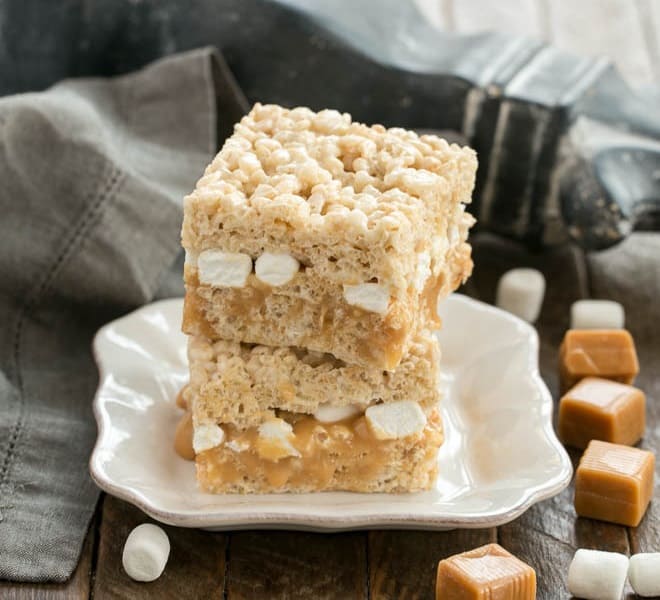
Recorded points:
(485, 573)
(614, 483)
(606, 353)
(600, 409)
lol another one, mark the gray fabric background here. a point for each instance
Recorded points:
(92, 173)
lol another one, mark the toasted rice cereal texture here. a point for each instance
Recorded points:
(353, 204)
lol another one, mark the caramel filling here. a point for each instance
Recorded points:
(384, 344)
(322, 449)
(181, 401)
(183, 438)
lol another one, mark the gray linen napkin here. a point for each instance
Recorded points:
(92, 173)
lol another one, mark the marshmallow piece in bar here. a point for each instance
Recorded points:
(373, 297)
(275, 440)
(223, 269)
(521, 291)
(597, 314)
(644, 574)
(423, 271)
(597, 575)
(329, 413)
(146, 551)
(394, 420)
(276, 268)
(207, 436)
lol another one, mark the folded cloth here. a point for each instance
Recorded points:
(92, 175)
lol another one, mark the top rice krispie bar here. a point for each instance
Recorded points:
(310, 230)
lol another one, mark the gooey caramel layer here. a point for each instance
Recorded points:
(325, 450)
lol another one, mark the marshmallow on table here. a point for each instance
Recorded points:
(644, 574)
(146, 552)
(597, 314)
(520, 291)
(596, 575)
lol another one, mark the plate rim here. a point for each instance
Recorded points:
(322, 520)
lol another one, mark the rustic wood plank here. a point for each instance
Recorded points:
(283, 564)
(78, 586)
(402, 564)
(195, 569)
(612, 275)
(548, 534)
(646, 537)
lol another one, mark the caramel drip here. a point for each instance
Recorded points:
(183, 437)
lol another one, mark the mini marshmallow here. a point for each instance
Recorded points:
(597, 314)
(596, 575)
(224, 269)
(393, 420)
(520, 291)
(274, 442)
(329, 413)
(369, 296)
(644, 574)
(276, 269)
(146, 551)
(423, 271)
(207, 436)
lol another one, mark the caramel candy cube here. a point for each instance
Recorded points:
(485, 573)
(606, 353)
(614, 483)
(600, 409)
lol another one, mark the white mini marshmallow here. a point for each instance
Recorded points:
(369, 296)
(393, 420)
(224, 269)
(644, 574)
(597, 314)
(277, 433)
(207, 436)
(423, 271)
(329, 413)
(596, 575)
(520, 291)
(276, 269)
(146, 551)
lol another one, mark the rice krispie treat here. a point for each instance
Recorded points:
(245, 385)
(312, 231)
(298, 453)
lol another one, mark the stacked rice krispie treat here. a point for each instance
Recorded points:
(317, 250)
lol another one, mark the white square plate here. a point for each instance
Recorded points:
(501, 454)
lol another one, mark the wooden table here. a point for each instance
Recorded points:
(381, 564)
